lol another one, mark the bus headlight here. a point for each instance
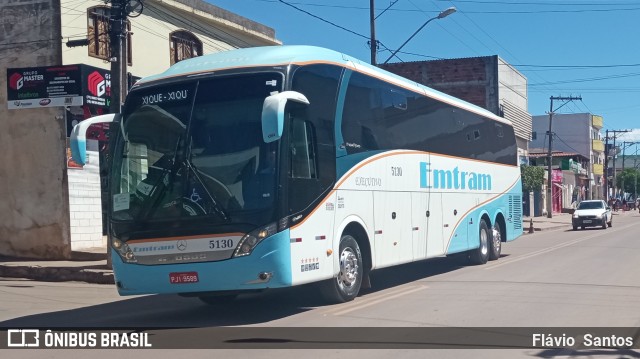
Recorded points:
(124, 251)
(251, 239)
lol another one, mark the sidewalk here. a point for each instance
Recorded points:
(542, 223)
(87, 266)
(91, 265)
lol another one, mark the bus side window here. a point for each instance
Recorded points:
(303, 150)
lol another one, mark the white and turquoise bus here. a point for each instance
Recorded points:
(278, 166)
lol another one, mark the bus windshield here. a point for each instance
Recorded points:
(195, 149)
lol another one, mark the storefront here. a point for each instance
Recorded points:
(83, 91)
(79, 92)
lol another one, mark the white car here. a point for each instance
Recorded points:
(592, 213)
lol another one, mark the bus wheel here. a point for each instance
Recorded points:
(346, 285)
(495, 244)
(218, 299)
(481, 254)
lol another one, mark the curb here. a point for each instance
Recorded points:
(58, 274)
(538, 229)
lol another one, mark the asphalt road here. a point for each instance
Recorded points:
(558, 278)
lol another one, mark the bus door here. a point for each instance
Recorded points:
(419, 223)
(392, 220)
(420, 216)
(435, 229)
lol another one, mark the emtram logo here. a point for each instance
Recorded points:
(97, 85)
(22, 338)
(16, 81)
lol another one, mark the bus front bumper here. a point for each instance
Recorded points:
(268, 266)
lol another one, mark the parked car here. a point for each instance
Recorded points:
(592, 213)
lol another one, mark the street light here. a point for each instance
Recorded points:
(441, 15)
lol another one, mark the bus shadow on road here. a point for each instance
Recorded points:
(407, 273)
(173, 311)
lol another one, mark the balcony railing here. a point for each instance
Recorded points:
(597, 145)
(596, 121)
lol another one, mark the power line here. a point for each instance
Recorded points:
(546, 3)
(564, 67)
(473, 12)
(27, 42)
(322, 19)
(555, 135)
(590, 79)
(393, 2)
(198, 27)
(446, 30)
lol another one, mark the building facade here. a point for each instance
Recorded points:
(488, 82)
(579, 134)
(48, 207)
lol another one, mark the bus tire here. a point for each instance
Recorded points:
(481, 254)
(346, 285)
(495, 244)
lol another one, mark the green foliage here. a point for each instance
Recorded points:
(532, 178)
(630, 179)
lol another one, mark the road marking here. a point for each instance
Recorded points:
(553, 248)
(359, 304)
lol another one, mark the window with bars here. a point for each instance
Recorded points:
(98, 26)
(184, 45)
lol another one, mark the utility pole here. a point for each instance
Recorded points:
(606, 166)
(625, 144)
(615, 135)
(635, 182)
(120, 11)
(118, 55)
(549, 155)
(374, 43)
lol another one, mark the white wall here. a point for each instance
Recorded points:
(150, 39)
(85, 205)
(512, 85)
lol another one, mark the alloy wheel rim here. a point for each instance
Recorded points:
(483, 242)
(497, 238)
(348, 268)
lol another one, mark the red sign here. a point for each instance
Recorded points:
(556, 176)
(183, 277)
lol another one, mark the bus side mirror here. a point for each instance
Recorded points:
(78, 141)
(273, 113)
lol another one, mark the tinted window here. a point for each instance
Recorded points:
(312, 151)
(381, 116)
(590, 205)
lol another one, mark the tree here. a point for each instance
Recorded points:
(629, 179)
(532, 178)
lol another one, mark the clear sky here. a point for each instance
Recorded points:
(587, 48)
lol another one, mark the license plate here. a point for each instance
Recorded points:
(183, 277)
(586, 221)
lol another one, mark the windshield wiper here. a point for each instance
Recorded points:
(155, 193)
(216, 206)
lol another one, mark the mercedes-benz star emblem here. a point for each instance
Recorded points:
(182, 245)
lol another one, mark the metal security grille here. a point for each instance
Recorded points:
(515, 211)
(184, 45)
